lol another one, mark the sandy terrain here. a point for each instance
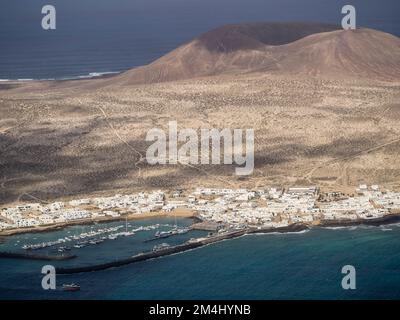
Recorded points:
(314, 124)
(67, 142)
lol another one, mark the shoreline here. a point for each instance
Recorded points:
(130, 217)
(201, 242)
(87, 76)
(388, 219)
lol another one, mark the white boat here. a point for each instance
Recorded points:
(161, 246)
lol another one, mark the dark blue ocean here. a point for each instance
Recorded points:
(304, 265)
(96, 36)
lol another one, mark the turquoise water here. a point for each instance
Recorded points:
(274, 266)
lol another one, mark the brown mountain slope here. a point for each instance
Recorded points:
(249, 36)
(286, 48)
(362, 53)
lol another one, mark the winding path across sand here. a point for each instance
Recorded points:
(308, 176)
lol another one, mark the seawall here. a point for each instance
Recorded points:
(180, 248)
(28, 256)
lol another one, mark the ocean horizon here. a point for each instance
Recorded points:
(94, 38)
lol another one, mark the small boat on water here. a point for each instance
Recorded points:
(71, 287)
(166, 234)
(162, 234)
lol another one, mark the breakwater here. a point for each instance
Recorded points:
(388, 219)
(189, 245)
(29, 256)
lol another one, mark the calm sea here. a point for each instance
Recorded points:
(303, 265)
(96, 36)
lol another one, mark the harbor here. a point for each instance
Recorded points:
(264, 256)
(169, 250)
(219, 214)
(132, 258)
(66, 248)
(164, 249)
(95, 237)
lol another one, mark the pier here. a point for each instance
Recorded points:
(168, 234)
